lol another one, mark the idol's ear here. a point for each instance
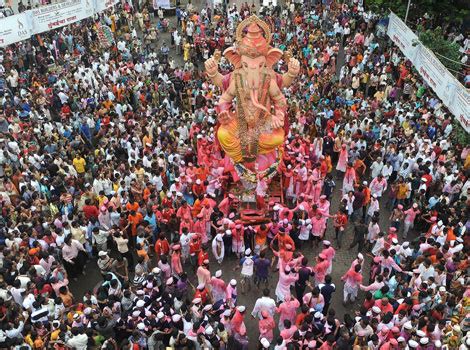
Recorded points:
(273, 56)
(233, 56)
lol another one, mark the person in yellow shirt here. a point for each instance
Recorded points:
(79, 163)
(402, 190)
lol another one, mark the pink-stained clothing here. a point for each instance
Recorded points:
(224, 206)
(373, 287)
(166, 269)
(324, 208)
(184, 213)
(390, 264)
(176, 265)
(70, 252)
(203, 276)
(349, 180)
(315, 191)
(321, 270)
(218, 288)
(286, 334)
(231, 295)
(287, 311)
(330, 255)
(285, 213)
(316, 175)
(200, 227)
(342, 160)
(318, 226)
(284, 284)
(352, 278)
(378, 187)
(411, 214)
(266, 327)
(237, 323)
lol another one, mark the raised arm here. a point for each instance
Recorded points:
(212, 70)
(293, 69)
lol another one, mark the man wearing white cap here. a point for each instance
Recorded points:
(247, 265)
(237, 323)
(218, 286)
(330, 253)
(231, 293)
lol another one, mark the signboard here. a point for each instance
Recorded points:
(14, 29)
(435, 74)
(402, 36)
(460, 107)
(22, 26)
(53, 16)
(452, 93)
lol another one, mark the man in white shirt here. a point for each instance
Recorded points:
(265, 303)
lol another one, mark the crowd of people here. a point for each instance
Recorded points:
(109, 158)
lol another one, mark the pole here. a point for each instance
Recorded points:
(407, 10)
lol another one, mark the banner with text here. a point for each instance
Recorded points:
(460, 107)
(53, 16)
(452, 93)
(14, 29)
(402, 36)
(435, 74)
(20, 27)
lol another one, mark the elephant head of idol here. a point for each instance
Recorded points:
(252, 55)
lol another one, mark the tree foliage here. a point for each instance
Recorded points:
(454, 12)
(459, 134)
(434, 40)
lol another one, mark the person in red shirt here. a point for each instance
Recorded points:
(162, 247)
(384, 305)
(90, 211)
(184, 212)
(199, 188)
(299, 319)
(340, 222)
(202, 293)
(428, 178)
(194, 248)
(202, 256)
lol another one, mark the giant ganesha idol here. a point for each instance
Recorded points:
(251, 135)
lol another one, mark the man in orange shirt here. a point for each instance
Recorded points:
(260, 236)
(132, 205)
(133, 220)
(366, 191)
